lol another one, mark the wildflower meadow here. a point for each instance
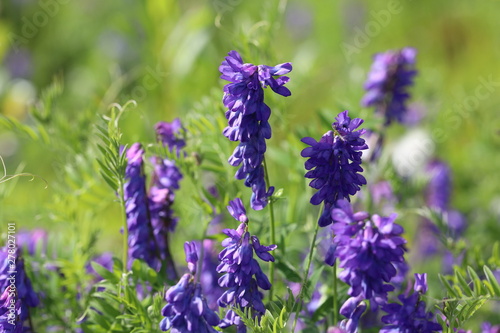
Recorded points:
(235, 166)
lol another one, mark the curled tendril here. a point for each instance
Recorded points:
(6, 177)
(121, 109)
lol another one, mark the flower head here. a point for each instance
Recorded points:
(368, 249)
(335, 163)
(438, 190)
(140, 233)
(242, 273)
(187, 309)
(14, 302)
(410, 316)
(248, 116)
(170, 134)
(391, 74)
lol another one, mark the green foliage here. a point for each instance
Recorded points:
(273, 321)
(466, 294)
(113, 161)
(117, 307)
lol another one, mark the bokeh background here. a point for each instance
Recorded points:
(63, 62)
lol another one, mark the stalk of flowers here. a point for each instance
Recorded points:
(17, 293)
(187, 309)
(437, 197)
(141, 242)
(368, 249)
(392, 72)
(410, 315)
(169, 134)
(335, 163)
(242, 273)
(248, 118)
(164, 183)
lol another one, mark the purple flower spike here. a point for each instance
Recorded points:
(191, 256)
(237, 210)
(248, 116)
(21, 298)
(438, 190)
(391, 74)
(410, 316)
(420, 283)
(242, 274)
(140, 233)
(368, 250)
(187, 309)
(170, 134)
(335, 163)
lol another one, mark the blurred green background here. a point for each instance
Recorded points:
(165, 55)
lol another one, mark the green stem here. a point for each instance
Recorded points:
(273, 235)
(298, 301)
(125, 235)
(335, 296)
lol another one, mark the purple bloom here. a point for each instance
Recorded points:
(368, 251)
(353, 308)
(410, 316)
(10, 312)
(438, 190)
(209, 276)
(187, 309)
(336, 163)
(386, 87)
(170, 134)
(141, 241)
(237, 210)
(488, 328)
(22, 293)
(243, 275)
(248, 117)
(33, 240)
(165, 180)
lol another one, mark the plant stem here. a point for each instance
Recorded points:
(273, 236)
(306, 276)
(335, 296)
(125, 233)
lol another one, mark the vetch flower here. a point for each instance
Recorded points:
(242, 273)
(368, 250)
(410, 316)
(391, 74)
(164, 182)
(187, 309)
(170, 135)
(17, 292)
(438, 190)
(248, 118)
(141, 241)
(335, 163)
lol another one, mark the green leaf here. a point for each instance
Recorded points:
(288, 270)
(495, 287)
(104, 273)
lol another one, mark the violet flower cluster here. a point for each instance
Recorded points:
(410, 315)
(248, 118)
(150, 217)
(368, 249)
(187, 309)
(242, 273)
(170, 135)
(391, 74)
(17, 294)
(141, 242)
(335, 163)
